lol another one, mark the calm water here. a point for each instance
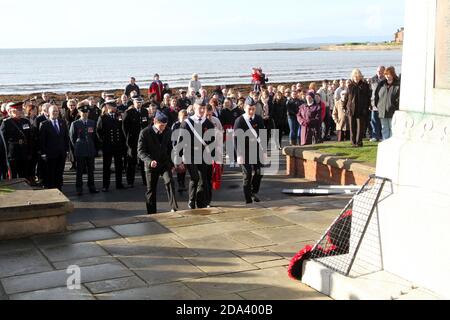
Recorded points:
(58, 70)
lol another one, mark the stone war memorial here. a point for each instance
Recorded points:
(413, 215)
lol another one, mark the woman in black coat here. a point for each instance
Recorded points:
(357, 104)
(279, 114)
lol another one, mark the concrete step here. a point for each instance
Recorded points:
(376, 286)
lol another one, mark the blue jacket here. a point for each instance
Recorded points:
(82, 138)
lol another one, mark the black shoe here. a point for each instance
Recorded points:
(249, 202)
(256, 199)
(94, 191)
(105, 190)
(191, 206)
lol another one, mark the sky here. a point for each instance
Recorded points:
(112, 23)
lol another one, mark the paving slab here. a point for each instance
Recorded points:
(288, 234)
(173, 291)
(218, 228)
(271, 221)
(115, 285)
(63, 265)
(277, 294)
(160, 270)
(256, 255)
(55, 279)
(250, 239)
(14, 245)
(212, 244)
(237, 214)
(316, 221)
(185, 221)
(221, 263)
(80, 226)
(141, 229)
(273, 263)
(73, 252)
(148, 248)
(289, 250)
(58, 294)
(13, 263)
(115, 222)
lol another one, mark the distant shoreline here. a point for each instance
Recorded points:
(335, 47)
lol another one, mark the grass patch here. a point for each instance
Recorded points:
(6, 190)
(366, 154)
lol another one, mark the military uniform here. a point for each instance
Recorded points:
(82, 134)
(18, 136)
(134, 121)
(110, 134)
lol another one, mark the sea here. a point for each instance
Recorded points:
(25, 71)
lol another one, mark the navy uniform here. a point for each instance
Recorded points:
(251, 169)
(156, 146)
(54, 146)
(134, 121)
(82, 137)
(18, 136)
(110, 134)
(3, 155)
(198, 187)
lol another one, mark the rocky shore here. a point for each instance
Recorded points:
(81, 95)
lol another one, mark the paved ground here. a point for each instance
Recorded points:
(227, 252)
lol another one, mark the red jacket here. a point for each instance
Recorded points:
(158, 88)
(257, 77)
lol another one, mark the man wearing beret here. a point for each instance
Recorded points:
(155, 150)
(110, 134)
(135, 119)
(17, 133)
(82, 136)
(251, 162)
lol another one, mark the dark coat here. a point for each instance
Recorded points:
(387, 99)
(133, 123)
(194, 143)
(228, 117)
(292, 106)
(110, 134)
(279, 111)
(130, 88)
(82, 138)
(250, 139)
(52, 144)
(358, 99)
(18, 137)
(155, 147)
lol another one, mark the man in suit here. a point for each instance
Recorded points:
(155, 149)
(134, 121)
(82, 137)
(250, 149)
(193, 158)
(54, 146)
(110, 134)
(18, 138)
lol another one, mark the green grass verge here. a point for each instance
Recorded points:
(6, 190)
(366, 154)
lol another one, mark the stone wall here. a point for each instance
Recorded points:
(324, 168)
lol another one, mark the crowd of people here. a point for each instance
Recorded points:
(39, 135)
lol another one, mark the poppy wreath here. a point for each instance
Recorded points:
(336, 245)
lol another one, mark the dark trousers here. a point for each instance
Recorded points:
(152, 184)
(326, 125)
(208, 190)
(82, 164)
(55, 172)
(342, 135)
(19, 169)
(118, 167)
(357, 130)
(181, 178)
(131, 169)
(198, 187)
(252, 180)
